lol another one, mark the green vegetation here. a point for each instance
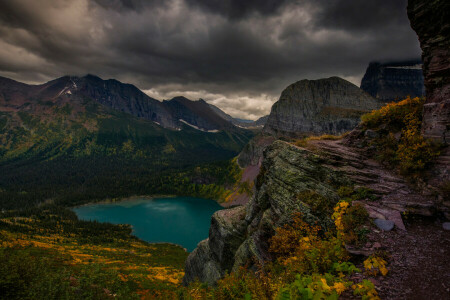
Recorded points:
(47, 253)
(75, 157)
(308, 262)
(106, 155)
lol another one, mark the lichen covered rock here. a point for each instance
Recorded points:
(239, 236)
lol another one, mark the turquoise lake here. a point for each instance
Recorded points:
(182, 220)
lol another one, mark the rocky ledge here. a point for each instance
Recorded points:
(239, 236)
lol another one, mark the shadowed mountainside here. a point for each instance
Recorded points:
(394, 80)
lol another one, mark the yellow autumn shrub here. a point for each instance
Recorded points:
(400, 142)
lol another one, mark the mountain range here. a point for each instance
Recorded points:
(85, 137)
(116, 95)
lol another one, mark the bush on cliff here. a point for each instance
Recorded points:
(399, 142)
(308, 263)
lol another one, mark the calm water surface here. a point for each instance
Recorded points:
(181, 220)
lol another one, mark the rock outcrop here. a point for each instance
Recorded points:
(394, 80)
(331, 106)
(324, 106)
(431, 21)
(239, 236)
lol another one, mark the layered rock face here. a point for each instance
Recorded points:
(394, 81)
(331, 106)
(240, 234)
(431, 21)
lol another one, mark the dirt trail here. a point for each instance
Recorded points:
(418, 246)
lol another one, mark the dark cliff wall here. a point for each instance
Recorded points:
(430, 19)
(394, 81)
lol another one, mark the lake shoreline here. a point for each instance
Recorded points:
(161, 219)
(130, 198)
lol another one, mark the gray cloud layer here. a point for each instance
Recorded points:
(233, 53)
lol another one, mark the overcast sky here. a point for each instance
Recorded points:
(236, 54)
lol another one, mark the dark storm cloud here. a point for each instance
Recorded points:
(236, 54)
(362, 15)
(239, 8)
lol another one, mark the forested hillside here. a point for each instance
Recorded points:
(71, 149)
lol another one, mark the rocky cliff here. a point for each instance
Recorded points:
(325, 106)
(331, 106)
(394, 81)
(239, 236)
(431, 21)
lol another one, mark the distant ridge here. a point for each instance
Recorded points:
(394, 80)
(117, 95)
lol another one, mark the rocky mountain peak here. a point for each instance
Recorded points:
(331, 105)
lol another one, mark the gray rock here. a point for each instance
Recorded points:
(386, 225)
(310, 107)
(446, 225)
(370, 134)
(332, 105)
(215, 255)
(237, 236)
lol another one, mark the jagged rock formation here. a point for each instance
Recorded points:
(394, 81)
(239, 235)
(331, 105)
(431, 21)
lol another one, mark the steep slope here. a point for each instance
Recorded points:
(431, 21)
(114, 94)
(198, 114)
(240, 236)
(75, 90)
(331, 105)
(394, 80)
